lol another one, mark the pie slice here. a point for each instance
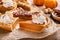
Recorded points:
(30, 26)
(7, 5)
(8, 23)
(21, 13)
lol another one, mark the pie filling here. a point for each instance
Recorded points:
(21, 13)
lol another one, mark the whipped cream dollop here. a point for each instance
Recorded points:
(7, 3)
(5, 19)
(38, 18)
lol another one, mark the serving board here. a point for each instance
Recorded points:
(19, 34)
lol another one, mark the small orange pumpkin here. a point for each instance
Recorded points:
(50, 3)
(38, 2)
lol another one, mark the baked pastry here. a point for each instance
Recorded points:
(6, 5)
(7, 22)
(21, 13)
(25, 6)
(37, 24)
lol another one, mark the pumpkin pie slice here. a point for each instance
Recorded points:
(37, 24)
(32, 27)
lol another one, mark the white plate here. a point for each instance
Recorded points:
(18, 34)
